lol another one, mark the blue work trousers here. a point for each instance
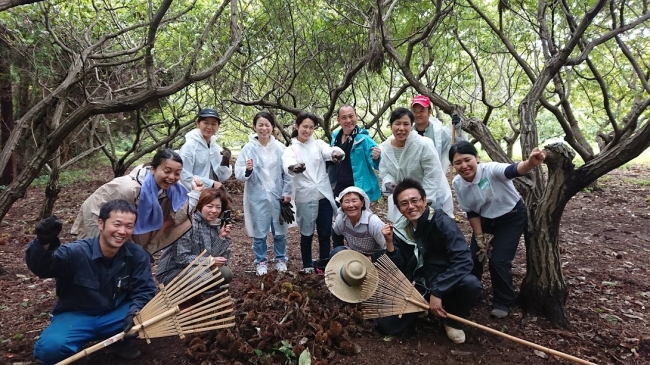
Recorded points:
(279, 247)
(69, 331)
(324, 230)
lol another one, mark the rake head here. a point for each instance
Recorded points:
(394, 295)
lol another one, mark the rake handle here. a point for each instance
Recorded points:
(506, 336)
(109, 341)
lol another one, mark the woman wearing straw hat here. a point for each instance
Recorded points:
(360, 227)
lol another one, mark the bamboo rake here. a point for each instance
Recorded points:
(161, 316)
(395, 295)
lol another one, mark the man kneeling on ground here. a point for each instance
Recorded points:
(429, 248)
(101, 282)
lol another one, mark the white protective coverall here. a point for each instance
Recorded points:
(264, 186)
(199, 158)
(419, 161)
(312, 184)
(441, 137)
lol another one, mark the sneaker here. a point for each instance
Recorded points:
(260, 268)
(499, 313)
(455, 335)
(281, 265)
(308, 270)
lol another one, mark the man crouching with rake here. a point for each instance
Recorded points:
(101, 282)
(431, 251)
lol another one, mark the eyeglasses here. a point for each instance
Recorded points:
(406, 203)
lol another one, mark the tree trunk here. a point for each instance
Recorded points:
(543, 290)
(6, 107)
(52, 189)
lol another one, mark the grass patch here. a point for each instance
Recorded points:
(81, 171)
(84, 170)
(67, 177)
(638, 181)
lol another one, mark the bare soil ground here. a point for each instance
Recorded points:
(605, 245)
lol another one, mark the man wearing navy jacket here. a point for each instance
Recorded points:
(101, 282)
(430, 250)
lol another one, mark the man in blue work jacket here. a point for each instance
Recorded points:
(101, 282)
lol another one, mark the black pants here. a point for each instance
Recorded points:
(458, 301)
(507, 230)
(324, 229)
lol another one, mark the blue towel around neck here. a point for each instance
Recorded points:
(150, 214)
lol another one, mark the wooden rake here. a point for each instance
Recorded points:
(395, 295)
(162, 317)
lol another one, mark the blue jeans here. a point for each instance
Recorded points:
(324, 230)
(507, 229)
(279, 247)
(69, 331)
(337, 249)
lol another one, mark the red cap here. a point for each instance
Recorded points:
(422, 100)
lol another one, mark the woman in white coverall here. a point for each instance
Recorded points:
(259, 165)
(305, 160)
(201, 155)
(406, 154)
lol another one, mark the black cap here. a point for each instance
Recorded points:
(208, 112)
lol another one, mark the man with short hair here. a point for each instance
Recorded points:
(430, 250)
(431, 127)
(101, 282)
(362, 158)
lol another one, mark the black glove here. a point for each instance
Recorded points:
(128, 323)
(225, 160)
(47, 230)
(338, 156)
(455, 121)
(226, 218)
(389, 187)
(297, 168)
(286, 213)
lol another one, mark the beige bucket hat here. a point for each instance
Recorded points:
(351, 277)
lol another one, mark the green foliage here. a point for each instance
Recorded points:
(286, 349)
(67, 177)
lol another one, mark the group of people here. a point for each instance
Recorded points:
(175, 204)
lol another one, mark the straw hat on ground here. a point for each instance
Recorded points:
(351, 277)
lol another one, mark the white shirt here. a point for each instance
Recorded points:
(490, 194)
